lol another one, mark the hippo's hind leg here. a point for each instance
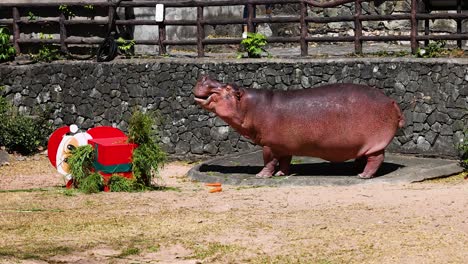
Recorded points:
(284, 164)
(269, 162)
(374, 161)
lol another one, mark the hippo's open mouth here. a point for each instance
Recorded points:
(203, 99)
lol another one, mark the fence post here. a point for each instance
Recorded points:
(459, 23)
(63, 33)
(357, 27)
(250, 17)
(414, 26)
(110, 14)
(16, 30)
(200, 32)
(426, 31)
(304, 31)
(162, 34)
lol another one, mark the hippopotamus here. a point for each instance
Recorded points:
(335, 122)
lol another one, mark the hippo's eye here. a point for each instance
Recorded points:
(70, 147)
(65, 160)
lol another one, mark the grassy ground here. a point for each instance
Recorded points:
(417, 223)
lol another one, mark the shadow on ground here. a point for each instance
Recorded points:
(240, 169)
(310, 169)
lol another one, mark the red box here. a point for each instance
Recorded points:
(113, 151)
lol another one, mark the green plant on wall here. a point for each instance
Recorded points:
(125, 45)
(46, 53)
(31, 16)
(433, 49)
(66, 11)
(254, 44)
(7, 51)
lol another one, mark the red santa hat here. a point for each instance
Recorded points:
(55, 140)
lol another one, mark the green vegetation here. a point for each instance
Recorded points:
(93, 183)
(384, 53)
(129, 251)
(7, 51)
(125, 45)
(254, 44)
(213, 249)
(432, 50)
(47, 53)
(20, 133)
(81, 162)
(64, 9)
(121, 184)
(463, 149)
(90, 7)
(31, 16)
(148, 157)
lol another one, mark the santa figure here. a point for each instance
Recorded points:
(65, 139)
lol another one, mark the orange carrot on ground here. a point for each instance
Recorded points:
(213, 184)
(217, 189)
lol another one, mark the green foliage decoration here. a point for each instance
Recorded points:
(121, 184)
(148, 157)
(81, 161)
(7, 51)
(93, 183)
(254, 44)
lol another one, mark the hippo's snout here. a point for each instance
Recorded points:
(202, 91)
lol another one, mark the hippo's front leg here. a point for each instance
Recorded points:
(270, 160)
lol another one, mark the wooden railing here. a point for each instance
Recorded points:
(19, 20)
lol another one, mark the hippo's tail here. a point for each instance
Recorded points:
(401, 117)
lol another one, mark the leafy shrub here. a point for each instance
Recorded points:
(7, 52)
(47, 53)
(463, 148)
(125, 45)
(254, 44)
(433, 49)
(22, 134)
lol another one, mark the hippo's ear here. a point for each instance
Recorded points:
(236, 90)
(239, 93)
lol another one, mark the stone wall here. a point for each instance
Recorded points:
(432, 93)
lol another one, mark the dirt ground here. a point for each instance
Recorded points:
(41, 222)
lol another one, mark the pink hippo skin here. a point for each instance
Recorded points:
(335, 122)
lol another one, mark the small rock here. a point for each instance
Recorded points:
(4, 158)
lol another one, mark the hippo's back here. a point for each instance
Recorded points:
(335, 122)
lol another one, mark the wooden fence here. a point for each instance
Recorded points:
(19, 19)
